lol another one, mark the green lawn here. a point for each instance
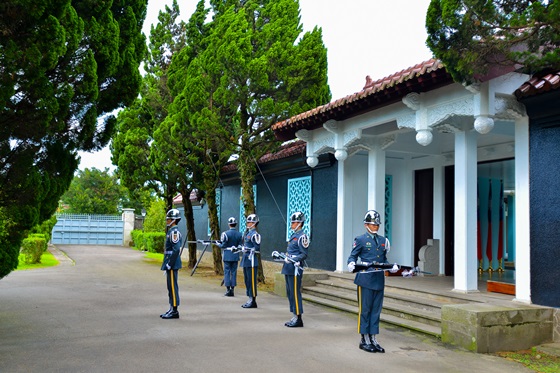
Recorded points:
(47, 260)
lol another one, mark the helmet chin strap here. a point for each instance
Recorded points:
(369, 230)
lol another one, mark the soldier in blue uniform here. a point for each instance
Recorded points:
(230, 240)
(293, 268)
(250, 260)
(172, 262)
(370, 247)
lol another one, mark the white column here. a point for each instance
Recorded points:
(466, 276)
(128, 218)
(522, 228)
(341, 220)
(439, 214)
(376, 183)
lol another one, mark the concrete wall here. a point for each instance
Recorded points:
(483, 327)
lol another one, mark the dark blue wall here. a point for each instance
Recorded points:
(272, 206)
(544, 179)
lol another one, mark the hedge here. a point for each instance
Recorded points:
(32, 248)
(153, 242)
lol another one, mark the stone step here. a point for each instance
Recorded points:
(387, 318)
(333, 289)
(344, 281)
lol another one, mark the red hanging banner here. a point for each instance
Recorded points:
(478, 233)
(501, 230)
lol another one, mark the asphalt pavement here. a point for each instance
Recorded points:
(98, 311)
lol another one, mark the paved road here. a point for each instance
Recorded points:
(100, 313)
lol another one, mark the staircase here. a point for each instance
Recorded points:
(415, 309)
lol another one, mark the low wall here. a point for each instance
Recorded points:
(483, 327)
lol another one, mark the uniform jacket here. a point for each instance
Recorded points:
(298, 245)
(252, 242)
(171, 255)
(370, 248)
(231, 238)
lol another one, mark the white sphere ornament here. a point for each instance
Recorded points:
(424, 137)
(340, 154)
(312, 161)
(483, 125)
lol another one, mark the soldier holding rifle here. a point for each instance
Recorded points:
(231, 239)
(250, 260)
(370, 247)
(293, 268)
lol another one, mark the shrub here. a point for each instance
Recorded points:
(32, 248)
(45, 228)
(42, 236)
(155, 217)
(155, 242)
(138, 240)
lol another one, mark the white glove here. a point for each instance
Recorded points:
(168, 266)
(286, 260)
(351, 266)
(395, 268)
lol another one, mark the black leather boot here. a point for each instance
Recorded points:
(295, 322)
(375, 344)
(172, 314)
(228, 292)
(165, 313)
(251, 303)
(366, 346)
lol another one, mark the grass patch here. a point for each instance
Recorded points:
(534, 360)
(153, 257)
(47, 260)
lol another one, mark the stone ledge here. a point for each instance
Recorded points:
(482, 327)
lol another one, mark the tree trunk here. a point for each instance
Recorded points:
(189, 219)
(215, 228)
(247, 171)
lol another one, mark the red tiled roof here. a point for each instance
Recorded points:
(539, 84)
(418, 78)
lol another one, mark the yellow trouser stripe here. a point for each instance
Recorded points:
(253, 284)
(173, 289)
(296, 295)
(359, 305)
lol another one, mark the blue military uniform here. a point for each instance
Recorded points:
(371, 283)
(230, 239)
(298, 245)
(250, 260)
(172, 263)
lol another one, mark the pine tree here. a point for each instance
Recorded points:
(64, 69)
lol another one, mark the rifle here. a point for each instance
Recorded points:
(277, 256)
(407, 270)
(205, 243)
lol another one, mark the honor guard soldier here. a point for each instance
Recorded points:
(172, 262)
(370, 247)
(250, 260)
(293, 268)
(231, 239)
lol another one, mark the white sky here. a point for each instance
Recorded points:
(363, 37)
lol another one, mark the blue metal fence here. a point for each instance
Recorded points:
(83, 229)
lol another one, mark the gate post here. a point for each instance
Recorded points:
(128, 218)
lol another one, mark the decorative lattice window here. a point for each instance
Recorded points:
(299, 199)
(242, 217)
(388, 205)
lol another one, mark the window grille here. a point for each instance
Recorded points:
(242, 217)
(299, 199)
